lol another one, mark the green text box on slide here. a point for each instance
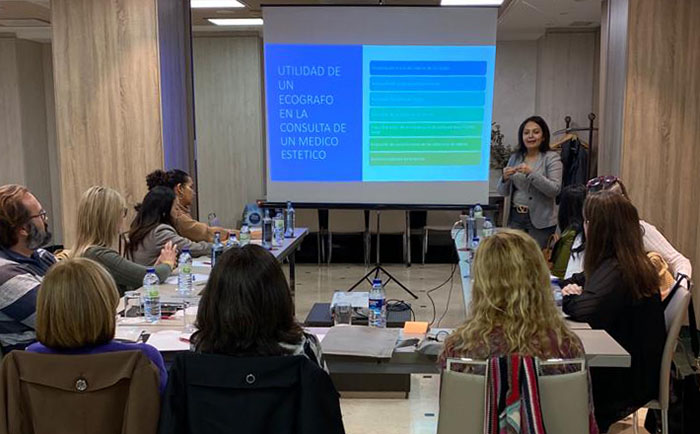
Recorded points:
(424, 158)
(409, 144)
(433, 129)
(426, 114)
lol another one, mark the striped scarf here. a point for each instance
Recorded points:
(512, 397)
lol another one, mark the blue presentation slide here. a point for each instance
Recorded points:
(379, 113)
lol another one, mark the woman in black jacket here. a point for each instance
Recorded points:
(619, 293)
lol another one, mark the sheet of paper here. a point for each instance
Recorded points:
(168, 340)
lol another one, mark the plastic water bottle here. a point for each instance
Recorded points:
(290, 221)
(184, 275)
(151, 296)
(471, 225)
(278, 230)
(556, 292)
(487, 230)
(267, 231)
(245, 235)
(377, 305)
(232, 241)
(473, 245)
(216, 249)
(478, 211)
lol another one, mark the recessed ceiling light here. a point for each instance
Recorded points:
(216, 4)
(236, 21)
(470, 2)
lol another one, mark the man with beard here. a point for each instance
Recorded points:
(23, 230)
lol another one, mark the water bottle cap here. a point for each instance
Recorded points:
(150, 270)
(185, 249)
(376, 281)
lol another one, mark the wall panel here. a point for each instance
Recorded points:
(660, 147)
(107, 89)
(229, 119)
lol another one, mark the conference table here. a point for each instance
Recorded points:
(351, 373)
(201, 267)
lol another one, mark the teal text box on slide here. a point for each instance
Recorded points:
(428, 67)
(426, 114)
(435, 129)
(390, 83)
(427, 99)
(409, 144)
(424, 158)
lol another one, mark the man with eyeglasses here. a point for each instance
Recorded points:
(23, 264)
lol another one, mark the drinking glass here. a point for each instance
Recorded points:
(342, 313)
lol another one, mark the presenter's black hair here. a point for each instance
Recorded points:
(154, 210)
(169, 179)
(246, 308)
(544, 146)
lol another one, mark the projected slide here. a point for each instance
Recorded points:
(378, 113)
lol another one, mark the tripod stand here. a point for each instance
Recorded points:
(378, 266)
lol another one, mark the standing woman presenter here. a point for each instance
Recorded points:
(532, 181)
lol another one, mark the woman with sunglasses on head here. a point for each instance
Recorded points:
(653, 240)
(619, 292)
(183, 186)
(152, 229)
(532, 181)
(101, 215)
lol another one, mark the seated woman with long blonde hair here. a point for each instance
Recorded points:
(512, 310)
(100, 220)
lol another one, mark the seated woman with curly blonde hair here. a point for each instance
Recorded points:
(512, 310)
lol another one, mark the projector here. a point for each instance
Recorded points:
(358, 300)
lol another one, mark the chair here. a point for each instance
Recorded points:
(110, 393)
(391, 222)
(348, 221)
(308, 218)
(437, 221)
(674, 314)
(211, 393)
(563, 398)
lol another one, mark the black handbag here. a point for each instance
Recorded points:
(684, 406)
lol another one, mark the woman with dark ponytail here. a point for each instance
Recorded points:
(183, 186)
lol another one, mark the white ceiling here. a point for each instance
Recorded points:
(518, 19)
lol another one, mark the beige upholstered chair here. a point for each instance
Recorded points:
(563, 397)
(674, 314)
(308, 218)
(437, 221)
(391, 222)
(347, 221)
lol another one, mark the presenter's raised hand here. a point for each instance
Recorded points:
(507, 171)
(168, 255)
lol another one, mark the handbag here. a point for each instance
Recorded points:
(683, 414)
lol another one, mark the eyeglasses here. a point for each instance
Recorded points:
(601, 183)
(43, 214)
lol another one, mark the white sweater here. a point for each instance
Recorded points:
(654, 241)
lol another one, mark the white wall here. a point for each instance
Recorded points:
(27, 145)
(515, 85)
(554, 76)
